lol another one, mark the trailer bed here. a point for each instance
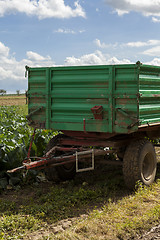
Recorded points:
(111, 99)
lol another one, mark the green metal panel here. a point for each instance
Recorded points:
(48, 98)
(149, 89)
(74, 92)
(37, 95)
(126, 98)
(110, 98)
(61, 98)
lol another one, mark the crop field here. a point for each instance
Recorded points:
(8, 100)
(15, 136)
(94, 205)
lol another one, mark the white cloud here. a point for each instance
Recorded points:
(66, 31)
(155, 20)
(82, 31)
(155, 51)
(104, 45)
(146, 7)
(4, 51)
(143, 44)
(42, 8)
(97, 58)
(114, 60)
(137, 44)
(88, 59)
(155, 61)
(99, 44)
(5, 73)
(36, 57)
(12, 71)
(121, 12)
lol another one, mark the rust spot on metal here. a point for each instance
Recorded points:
(156, 95)
(123, 124)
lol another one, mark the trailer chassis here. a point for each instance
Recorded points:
(67, 151)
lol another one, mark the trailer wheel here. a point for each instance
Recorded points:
(51, 174)
(139, 163)
(120, 154)
(64, 172)
(67, 171)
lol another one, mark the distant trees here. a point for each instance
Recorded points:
(2, 91)
(18, 92)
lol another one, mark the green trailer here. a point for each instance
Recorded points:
(113, 108)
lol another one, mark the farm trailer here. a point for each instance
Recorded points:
(113, 108)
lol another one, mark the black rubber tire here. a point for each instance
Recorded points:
(64, 172)
(51, 174)
(120, 154)
(139, 163)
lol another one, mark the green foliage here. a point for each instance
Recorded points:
(15, 137)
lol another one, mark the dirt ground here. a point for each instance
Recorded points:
(12, 100)
(27, 192)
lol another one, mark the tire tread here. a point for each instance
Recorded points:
(131, 171)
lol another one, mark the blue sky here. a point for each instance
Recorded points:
(71, 32)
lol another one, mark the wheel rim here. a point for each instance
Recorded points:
(148, 166)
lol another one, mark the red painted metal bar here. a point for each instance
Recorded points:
(84, 124)
(44, 162)
(30, 146)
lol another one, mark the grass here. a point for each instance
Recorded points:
(125, 219)
(112, 211)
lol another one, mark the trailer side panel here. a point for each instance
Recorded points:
(149, 92)
(89, 98)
